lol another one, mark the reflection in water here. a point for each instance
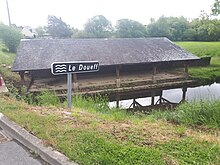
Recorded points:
(207, 92)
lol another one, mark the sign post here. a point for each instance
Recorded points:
(69, 84)
(58, 68)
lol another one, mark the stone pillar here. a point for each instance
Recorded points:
(75, 83)
(118, 81)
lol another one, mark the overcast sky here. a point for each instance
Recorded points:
(77, 12)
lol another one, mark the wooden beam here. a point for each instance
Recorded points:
(154, 70)
(118, 82)
(186, 70)
(22, 76)
(154, 74)
(117, 72)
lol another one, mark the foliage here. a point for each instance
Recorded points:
(126, 28)
(41, 31)
(10, 36)
(57, 28)
(98, 27)
(171, 27)
(216, 8)
(196, 113)
(180, 29)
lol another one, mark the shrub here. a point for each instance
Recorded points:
(10, 37)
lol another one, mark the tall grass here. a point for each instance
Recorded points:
(47, 98)
(205, 113)
(99, 105)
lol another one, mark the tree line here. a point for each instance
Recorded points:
(204, 28)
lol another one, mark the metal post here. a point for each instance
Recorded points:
(69, 84)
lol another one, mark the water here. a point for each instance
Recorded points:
(206, 92)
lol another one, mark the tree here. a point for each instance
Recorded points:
(57, 28)
(216, 8)
(160, 28)
(98, 27)
(10, 36)
(126, 28)
(177, 27)
(41, 31)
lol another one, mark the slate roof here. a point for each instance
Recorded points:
(39, 54)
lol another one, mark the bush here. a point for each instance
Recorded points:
(10, 36)
(48, 98)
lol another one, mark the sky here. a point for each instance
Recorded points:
(76, 13)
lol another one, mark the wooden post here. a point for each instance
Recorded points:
(184, 89)
(154, 74)
(22, 76)
(117, 100)
(152, 98)
(118, 81)
(161, 94)
(75, 82)
(134, 103)
(186, 70)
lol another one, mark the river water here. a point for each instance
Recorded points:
(206, 92)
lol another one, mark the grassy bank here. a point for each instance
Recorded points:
(93, 134)
(201, 49)
(6, 61)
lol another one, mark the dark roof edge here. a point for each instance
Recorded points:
(187, 60)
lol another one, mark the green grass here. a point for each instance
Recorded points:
(6, 61)
(188, 151)
(81, 137)
(204, 113)
(201, 49)
(6, 57)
